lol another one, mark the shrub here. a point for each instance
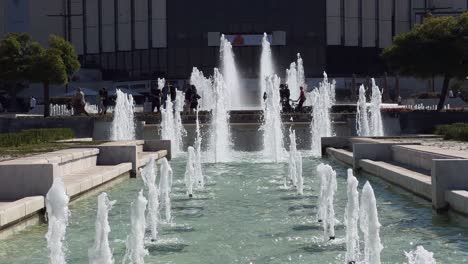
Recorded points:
(458, 131)
(35, 136)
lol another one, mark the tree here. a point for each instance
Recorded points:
(48, 68)
(439, 46)
(17, 53)
(67, 53)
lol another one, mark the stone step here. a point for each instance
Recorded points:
(458, 200)
(79, 182)
(342, 155)
(14, 211)
(415, 182)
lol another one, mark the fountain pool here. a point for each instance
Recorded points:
(245, 215)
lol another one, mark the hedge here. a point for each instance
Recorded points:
(35, 136)
(457, 131)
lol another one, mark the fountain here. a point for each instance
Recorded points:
(326, 211)
(136, 252)
(300, 72)
(204, 89)
(57, 217)
(292, 158)
(291, 81)
(370, 226)
(190, 171)
(295, 77)
(266, 66)
(420, 256)
(322, 99)
(199, 179)
(362, 116)
(165, 186)
(123, 124)
(300, 180)
(148, 175)
(376, 125)
(220, 138)
(351, 220)
(235, 96)
(171, 122)
(179, 130)
(273, 146)
(101, 252)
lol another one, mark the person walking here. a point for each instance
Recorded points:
(286, 99)
(188, 97)
(32, 103)
(301, 100)
(105, 100)
(79, 102)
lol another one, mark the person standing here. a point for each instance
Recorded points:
(301, 100)
(286, 98)
(194, 99)
(165, 92)
(188, 97)
(156, 99)
(32, 103)
(105, 100)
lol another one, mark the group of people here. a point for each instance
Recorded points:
(159, 97)
(285, 99)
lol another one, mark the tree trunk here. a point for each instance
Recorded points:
(46, 100)
(443, 93)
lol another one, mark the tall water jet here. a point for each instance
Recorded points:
(370, 226)
(273, 146)
(326, 210)
(204, 89)
(291, 81)
(420, 256)
(292, 158)
(165, 186)
(171, 129)
(351, 220)
(322, 98)
(300, 179)
(376, 125)
(229, 70)
(362, 116)
(136, 252)
(101, 252)
(57, 217)
(300, 72)
(220, 138)
(190, 171)
(179, 130)
(266, 66)
(123, 124)
(200, 180)
(148, 175)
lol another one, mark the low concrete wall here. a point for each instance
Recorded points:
(157, 145)
(335, 142)
(374, 151)
(447, 174)
(82, 126)
(102, 130)
(426, 122)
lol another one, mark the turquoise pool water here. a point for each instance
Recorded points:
(245, 216)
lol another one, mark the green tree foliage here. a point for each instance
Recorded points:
(67, 52)
(439, 46)
(22, 59)
(17, 53)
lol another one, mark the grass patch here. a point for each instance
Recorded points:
(35, 137)
(458, 131)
